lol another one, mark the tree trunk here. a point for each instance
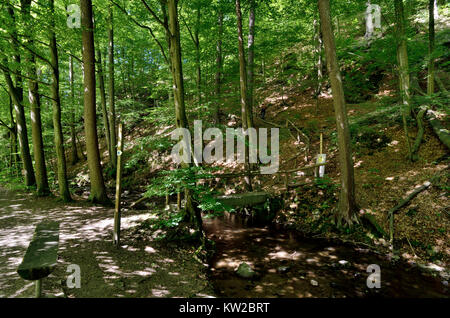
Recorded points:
(430, 81)
(192, 213)
(98, 190)
(318, 42)
(16, 93)
(112, 108)
(42, 186)
(103, 102)
(56, 102)
(251, 57)
(402, 59)
(219, 64)
(74, 155)
(197, 55)
(346, 213)
(247, 121)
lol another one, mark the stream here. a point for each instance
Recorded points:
(294, 267)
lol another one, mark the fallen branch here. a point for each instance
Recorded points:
(139, 201)
(403, 203)
(442, 133)
(420, 133)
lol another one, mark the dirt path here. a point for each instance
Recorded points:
(140, 268)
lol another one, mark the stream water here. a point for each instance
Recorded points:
(290, 266)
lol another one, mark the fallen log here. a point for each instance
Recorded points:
(442, 133)
(420, 133)
(403, 203)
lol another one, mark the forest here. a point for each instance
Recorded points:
(224, 149)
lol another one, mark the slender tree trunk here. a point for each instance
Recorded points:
(16, 93)
(402, 59)
(251, 57)
(98, 190)
(56, 102)
(192, 213)
(103, 102)
(14, 157)
(430, 81)
(346, 213)
(247, 121)
(318, 42)
(74, 154)
(219, 63)
(42, 186)
(112, 108)
(197, 54)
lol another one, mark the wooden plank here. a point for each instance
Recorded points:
(117, 212)
(42, 254)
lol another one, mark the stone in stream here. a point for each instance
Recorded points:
(314, 282)
(344, 263)
(245, 271)
(283, 269)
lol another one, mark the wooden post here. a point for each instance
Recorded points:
(38, 285)
(116, 233)
(179, 200)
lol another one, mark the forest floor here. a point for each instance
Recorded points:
(140, 268)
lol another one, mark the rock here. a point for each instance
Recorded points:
(245, 271)
(445, 283)
(344, 262)
(283, 269)
(314, 282)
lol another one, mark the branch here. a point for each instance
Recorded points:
(189, 29)
(165, 26)
(7, 69)
(30, 50)
(144, 27)
(5, 125)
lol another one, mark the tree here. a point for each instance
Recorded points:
(251, 56)
(73, 136)
(112, 108)
(219, 62)
(56, 102)
(98, 190)
(430, 79)
(247, 121)
(402, 60)
(346, 213)
(42, 185)
(16, 93)
(103, 103)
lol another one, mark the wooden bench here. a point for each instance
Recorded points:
(42, 254)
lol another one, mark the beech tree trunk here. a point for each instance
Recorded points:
(251, 56)
(74, 154)
(98, 190)
(219, 65)
(42, 185)
(16, 93)
(402, 59)
(103, 102)
(56, 102)
(112, 108)
(430, 81)
(192, 213)
(346, 213)
(247, 121)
